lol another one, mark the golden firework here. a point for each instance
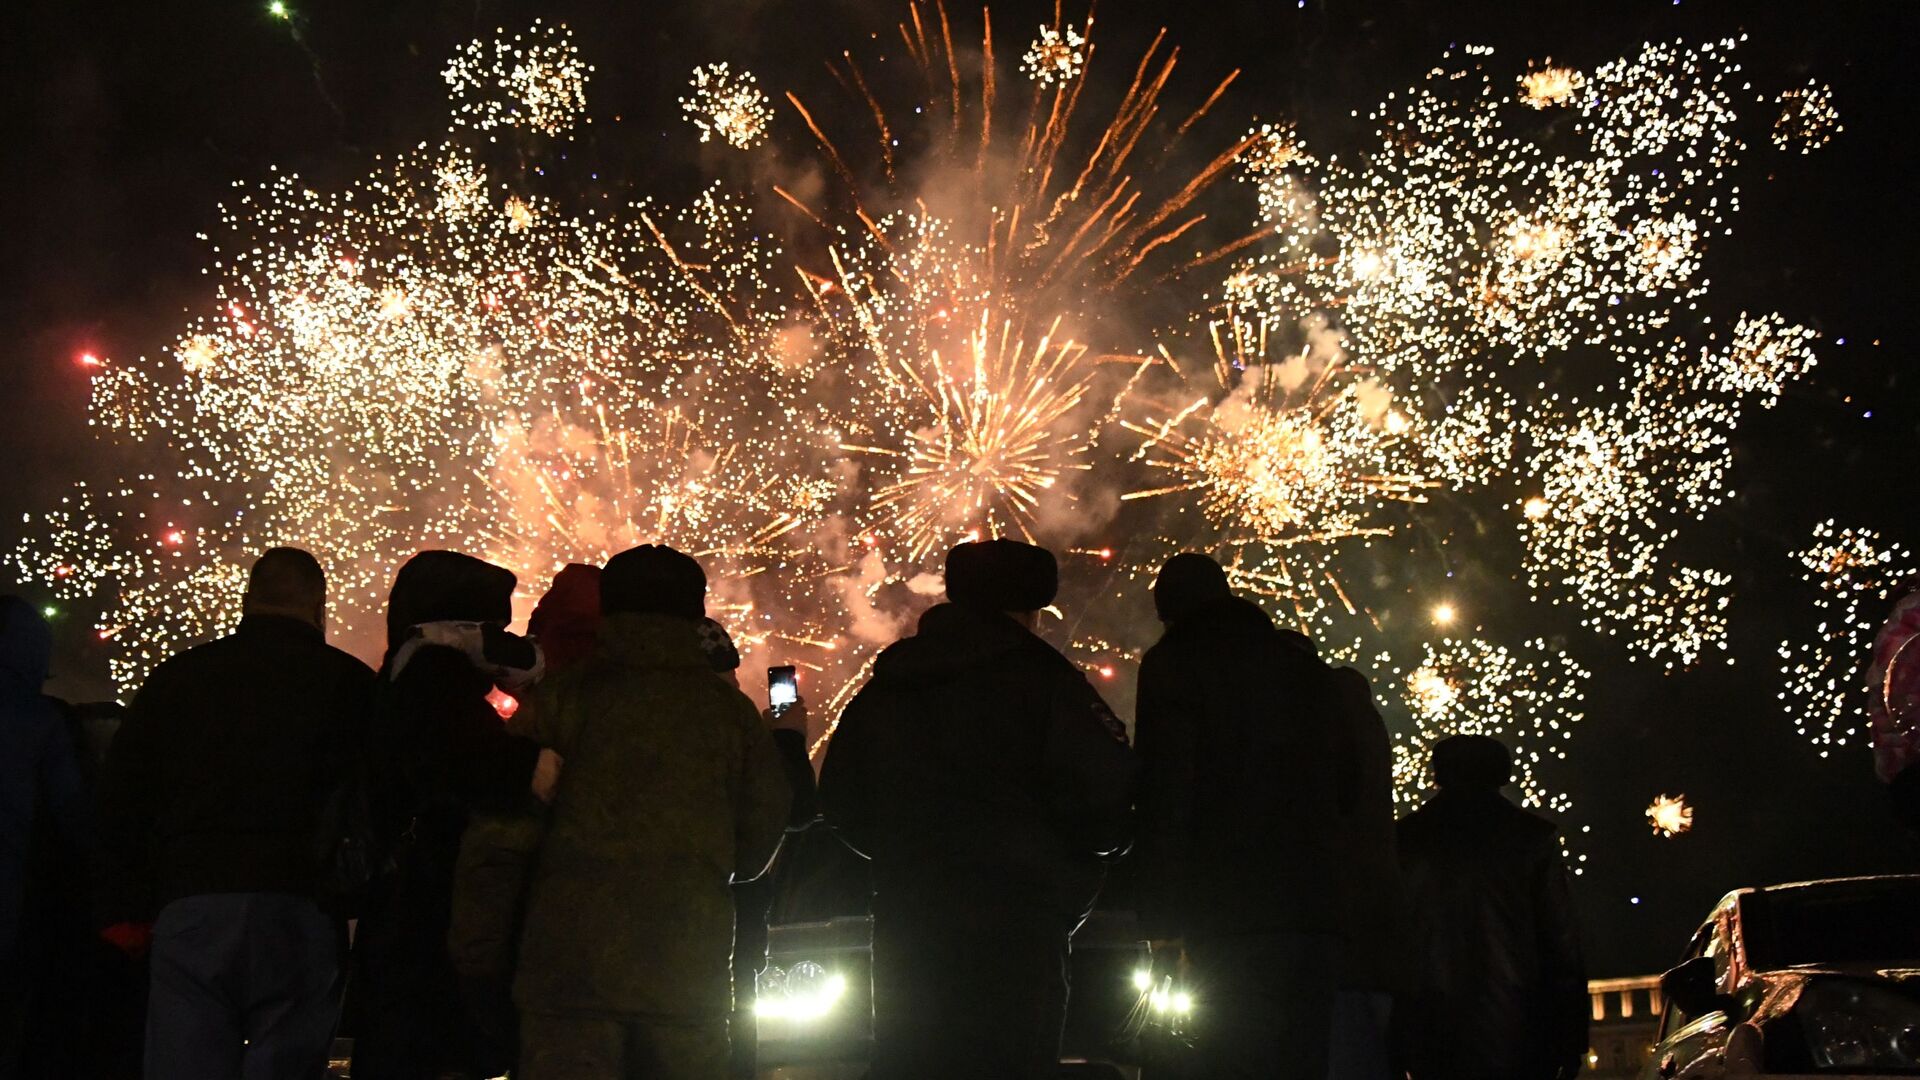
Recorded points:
(1670, 815)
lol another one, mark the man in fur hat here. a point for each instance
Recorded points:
(985, 779)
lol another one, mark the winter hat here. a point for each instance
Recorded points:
(653, 579)
(567, 619)
(1188, 582)
(1472, 763)
(447, 586)
(1002, 575)
(718, 646)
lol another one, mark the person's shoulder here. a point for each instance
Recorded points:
(193, 661)
(1534, 826)
(344, 664)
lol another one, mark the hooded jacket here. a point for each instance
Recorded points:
(440, 752)
(443, 750)
(1244, 749)
(40, 782)
(567, 619)
(1499, 988)
(216, 780)
(978, 756)
(672, 790)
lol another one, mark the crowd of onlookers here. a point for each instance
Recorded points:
(543, 854)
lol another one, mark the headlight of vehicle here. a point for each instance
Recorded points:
(1857, 1025)
(802, 992)
(1164, 998)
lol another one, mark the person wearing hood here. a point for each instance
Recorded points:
(673, 791)
(985, 779)
(214, 792)
(441, 754)
(1241, 808)
(566, 621)
(42, 802)
(1499, 989)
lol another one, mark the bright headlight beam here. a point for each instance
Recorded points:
(803, 1006)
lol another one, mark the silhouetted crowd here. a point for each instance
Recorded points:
(544, 855)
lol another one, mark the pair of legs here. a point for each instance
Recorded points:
(583, 1046)
(242, 989)
(1263, 1005)
(967, 990)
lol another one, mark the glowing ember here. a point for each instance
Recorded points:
(1670, 815)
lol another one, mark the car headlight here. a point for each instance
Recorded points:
(1857, 1025)
(805, 991)
(1164, 998)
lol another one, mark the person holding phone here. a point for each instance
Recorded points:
(986, 780)
(786, 715)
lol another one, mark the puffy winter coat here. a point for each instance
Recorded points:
(1500, 991)
(672, 789)
(1242, 805)
(979, 755)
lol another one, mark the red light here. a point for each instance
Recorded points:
(503, 703)
(87, 359)
(1106, 553)
(1106, 672)
(175, 538)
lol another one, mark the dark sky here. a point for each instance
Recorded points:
(126, 124)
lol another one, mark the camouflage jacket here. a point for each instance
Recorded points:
(672, 788)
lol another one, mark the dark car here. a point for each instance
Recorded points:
(1818, 978)
(814, 1006)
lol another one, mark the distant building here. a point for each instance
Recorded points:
(1626, 1018)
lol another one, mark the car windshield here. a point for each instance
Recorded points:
(1840, 923)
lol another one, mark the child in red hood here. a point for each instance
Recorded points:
(567, 619)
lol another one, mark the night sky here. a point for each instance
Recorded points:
(127, 124)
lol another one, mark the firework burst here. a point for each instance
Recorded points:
(1855, 572)
(1670, 815)
(728, 106)
(1528, 698)
(1049, 307)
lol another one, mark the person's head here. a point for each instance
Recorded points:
(288, 582)
(1472, 764)
(654, 579)
(566, 621)
(1188, 583)
(447, 586)
(1003, 575)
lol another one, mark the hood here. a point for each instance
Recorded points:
(567, 619)
(651, 641)
(952, 641)
(447, 586)
(26, 648)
